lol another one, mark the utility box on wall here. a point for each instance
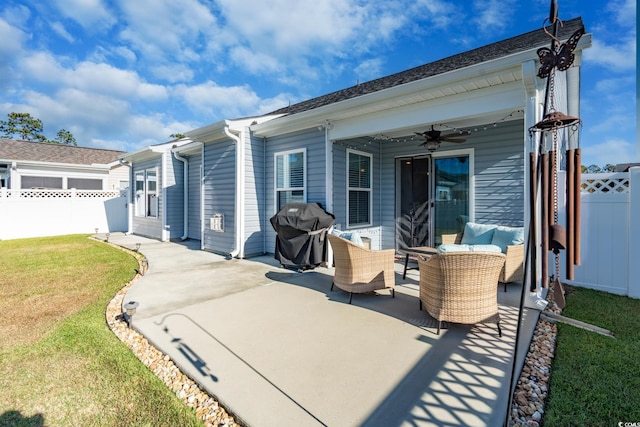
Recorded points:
(216, 222)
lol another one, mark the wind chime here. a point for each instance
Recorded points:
(546, 162)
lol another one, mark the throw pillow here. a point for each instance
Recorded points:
(352, 236)
(478, 234)
(508, 236)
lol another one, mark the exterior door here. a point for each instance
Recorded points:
(432, 198)
(413, 210)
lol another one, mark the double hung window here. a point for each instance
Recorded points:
(359, 203)
(290, 177)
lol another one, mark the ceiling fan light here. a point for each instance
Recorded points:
(432, 145)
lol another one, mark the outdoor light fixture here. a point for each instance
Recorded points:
(96, 230)
(129, 311)
(145, 265)
(138, 246)
(432, 145)
(107, 237)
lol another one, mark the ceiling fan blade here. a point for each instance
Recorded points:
(452, 140)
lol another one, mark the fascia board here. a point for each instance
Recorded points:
(54, 165)
(191, 147)
(330, 112)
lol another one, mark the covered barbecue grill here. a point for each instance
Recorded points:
(301, 235)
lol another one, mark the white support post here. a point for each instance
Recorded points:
(634, 232)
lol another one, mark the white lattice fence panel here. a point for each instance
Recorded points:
(615, 183)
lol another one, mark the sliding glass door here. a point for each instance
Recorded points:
(432, 198)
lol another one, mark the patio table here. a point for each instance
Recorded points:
(423, 251)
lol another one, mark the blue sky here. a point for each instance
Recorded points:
(128, 73)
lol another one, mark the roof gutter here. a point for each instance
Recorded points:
(238, 250)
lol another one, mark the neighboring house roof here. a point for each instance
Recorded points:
(17, 150)
(523, 42)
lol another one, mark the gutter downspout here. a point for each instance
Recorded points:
(166, 231)
(129, 195)
(185, 195)
(239, 208)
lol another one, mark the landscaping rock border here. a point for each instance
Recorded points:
(529, 397)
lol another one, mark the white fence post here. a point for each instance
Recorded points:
(634, 232)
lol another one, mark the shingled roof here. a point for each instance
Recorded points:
(16, 150)
(523, 42)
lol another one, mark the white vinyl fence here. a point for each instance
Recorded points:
(610, 233)
(37, 213)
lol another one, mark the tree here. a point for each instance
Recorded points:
(30, 128)
(177, 135)
(65, 137)
(22, 124)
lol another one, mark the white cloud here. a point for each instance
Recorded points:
(255, 62)
(11, 40)
(166, 30)
(209, 99)
(173, 73)
(368, 69)
(91, 14)
(59, 29)
(17, 15)
(624, 11)
(92, 77)
(611, 151)
(492, 16)
(619, 57)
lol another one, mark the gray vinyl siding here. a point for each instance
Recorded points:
(254, 218)
(499, 175)
(219, 186)
(498, 169)
(173, 196)
(313, 140)
(145, 226)
(195, 163)
(340, 178)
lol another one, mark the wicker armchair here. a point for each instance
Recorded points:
(513, 270)
(360, 270)
(460, 287)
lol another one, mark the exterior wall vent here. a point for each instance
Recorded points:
(216, 222)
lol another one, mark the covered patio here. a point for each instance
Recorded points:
(277, 347)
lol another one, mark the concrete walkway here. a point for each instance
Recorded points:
(278, 348)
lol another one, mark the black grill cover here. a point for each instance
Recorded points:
(301, 234)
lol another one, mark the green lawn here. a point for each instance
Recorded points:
(59, 362)
(595, 380)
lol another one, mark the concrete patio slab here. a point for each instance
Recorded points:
(278, 348)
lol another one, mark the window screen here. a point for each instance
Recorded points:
(49, 182)
(84, 183)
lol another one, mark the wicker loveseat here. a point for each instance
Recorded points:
(460, 287)
(513, 270)
(360, 270)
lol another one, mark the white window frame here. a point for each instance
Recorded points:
(302, 151)
(360, 189)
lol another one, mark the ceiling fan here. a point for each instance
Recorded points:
(433, 138)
